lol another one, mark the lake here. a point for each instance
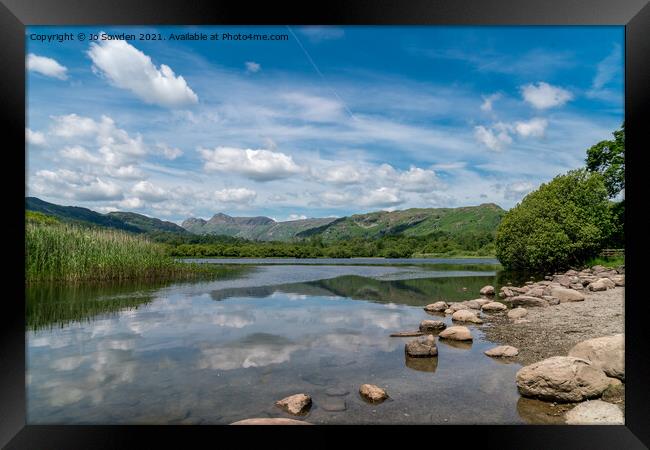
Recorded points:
(214, 352)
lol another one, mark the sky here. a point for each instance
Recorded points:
(327, 121)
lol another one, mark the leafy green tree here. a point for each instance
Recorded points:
(563, 223)
(608, 159)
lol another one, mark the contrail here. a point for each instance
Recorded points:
(320, 73)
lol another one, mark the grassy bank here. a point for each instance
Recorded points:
(613, 261)
(57, 252)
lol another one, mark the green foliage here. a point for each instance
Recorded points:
(608, 159)
(610, 261)
(562, 223)
(38, 218)
(71, 253)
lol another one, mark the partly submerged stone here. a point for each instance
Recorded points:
(373, 393)
(502, 351)
(465, 315)
(456, 333)
(436, 307)
(295, 404)
(494, 306)
(424, 347)
(432, 326)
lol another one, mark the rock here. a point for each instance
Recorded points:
(449, 311)
(619, 280)
(480, 301)
(458, 306)
(551, 300)
(424, 347)
(517, 313)
(494, 306)
(432, 326)
(607, 282)
(537, 291)
(563, 280)
(333, 404)
(596, 412)
(502, 295)
(407, 334)
(597, 269)
(436, 307)
(336, 391)
(597, 286)
(372, 393)
(473, 304)
(502, 350)
(507, 292)
(567, 295)
(571, 273)
(524, 300)
(615, 393)
(562, 379)
(606, 353)
(487, 290)
(519, 290)
(576, 286)
(295, 404)
(270, 421)
(465, 315)
(456, 333)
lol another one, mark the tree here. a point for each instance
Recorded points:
(563, 223)
(608, 159)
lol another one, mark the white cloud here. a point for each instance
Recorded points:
(34, 137)
(517, 190)
(381, 197)
(79, 154)
(322, 33)
(345, 174)
(494, 140)
(128, 68)
(295, 217)
(608, 68)
(544, 96)
(489, 100)
(131, 203)
(168, 152)
(534, 127)
(418, 180)
(149, 192)
(236, 195)
(46, 66)
(252, 67)
(74, 185)
(314, 108)
(259, 165)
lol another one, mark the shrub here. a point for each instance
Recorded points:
(563, 223)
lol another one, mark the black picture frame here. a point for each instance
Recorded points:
(633, 14)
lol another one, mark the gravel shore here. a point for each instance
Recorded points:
(553, 330)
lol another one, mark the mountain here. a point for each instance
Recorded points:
(126, 221)
(255, 228)
(411, 222)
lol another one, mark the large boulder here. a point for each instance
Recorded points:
(525, 300)
(436, 307)
(507, 292)
(456, 333)
(372, 393)
(270, 421)
(432, 326)
(596, 412)
(494, 306)
(465, 315)
(562, 379)
(606, 353)
(458, 306)
(601, 284)
(502, 350)
(473, 304)
(487, 290)
(424, 347)
(517, 313)
(567, 295)
(618, 280)
(295, 404)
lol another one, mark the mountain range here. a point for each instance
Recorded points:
(409, 222)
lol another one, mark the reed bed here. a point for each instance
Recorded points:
(70, 253)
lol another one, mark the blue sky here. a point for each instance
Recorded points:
(330, 122)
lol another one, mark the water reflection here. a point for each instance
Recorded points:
(421, 364)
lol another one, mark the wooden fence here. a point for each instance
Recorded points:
(610, 252)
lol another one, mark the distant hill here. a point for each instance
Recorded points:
(411, 222)
(135, 223)
(255, 228)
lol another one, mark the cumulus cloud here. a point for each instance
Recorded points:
(34, 137)
(128, 68)
(75, 185)
(236, 195)
(544, 96)
(252, 67)
(259, 165)
(46, 66)
(381, 197)
(492, 139)
(534, 127)
(517, 190)
(343, 174)
(168, 152)
(149, 192)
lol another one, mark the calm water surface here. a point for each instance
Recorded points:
(216, 352)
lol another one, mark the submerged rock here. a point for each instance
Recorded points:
(606, 353)
(373, 393)
(295, 404)
(424, 347)
(596, 412)
(487, 290)
(336, 392)
(436, 307)
(407, 334)
(421, 364)
(333, 404)
(502, 350)
(270, 421)
(562, 379)
(456, 333)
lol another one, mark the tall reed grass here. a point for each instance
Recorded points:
(70, 253)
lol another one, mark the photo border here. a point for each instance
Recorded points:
(634, 14)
